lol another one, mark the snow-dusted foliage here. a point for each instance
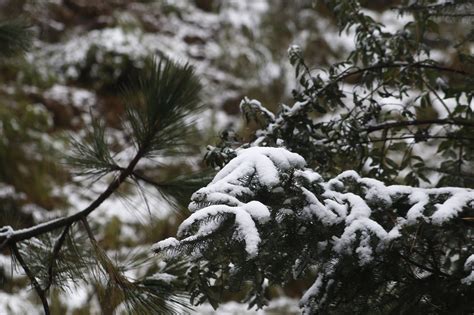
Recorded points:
(265, 200)
(252, 167)
(469, 267)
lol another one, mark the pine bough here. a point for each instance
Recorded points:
(266, 218)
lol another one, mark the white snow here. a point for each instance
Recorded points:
(316, 208)
(280, 305)
(469, 266)
(170, 241)
(419, 199)
(257, 210)
(165, 277)
(255, 105)
(451, 207)
(245, 225)
(6, 231)
(66, 95)
(309, 175)
(16, 304)
(220, 197)
(264, 162)
(233, 188)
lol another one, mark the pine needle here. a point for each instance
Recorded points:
(160, 105)
(15, 38)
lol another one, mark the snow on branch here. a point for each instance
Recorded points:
(357, 216)
(253, 167)
(469, 267)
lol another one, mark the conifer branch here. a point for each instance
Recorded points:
(21, 235)
(170, 93)
(34, 282)
(15, 36)
(54, 256)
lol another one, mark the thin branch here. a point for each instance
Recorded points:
(463, 174)
(438, 272)
(432, 255)
(49, 226)
(419, 138)
(146, 179)
(395, 124)
(360, 18)
(435, 9)
(141, 177)
(443, 103)
(54, 256)
(88, 229)
(347, 74)
(382, 151)
(461, 148)
(420, 65)
(32, 278)
(458, 15)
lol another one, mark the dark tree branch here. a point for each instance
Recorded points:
(418, 65)
(395, 124)
(20, 235)
(88, 229)
(54, 256)
(433, 9)
(16, 236)
(141, 177)
(32, 278)
(425, 268)
(347, 74)
(443, 103)
(418, 138)
(462, 174)
(146, 179)
(168, 86)
(453, 15)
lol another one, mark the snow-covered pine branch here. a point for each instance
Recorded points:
(265, 196)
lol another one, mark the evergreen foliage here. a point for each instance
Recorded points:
(373, 243)
(15, 38)
(373, 248)
(92, 158)
(56, 254)
(164, 100)
(326, 191)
